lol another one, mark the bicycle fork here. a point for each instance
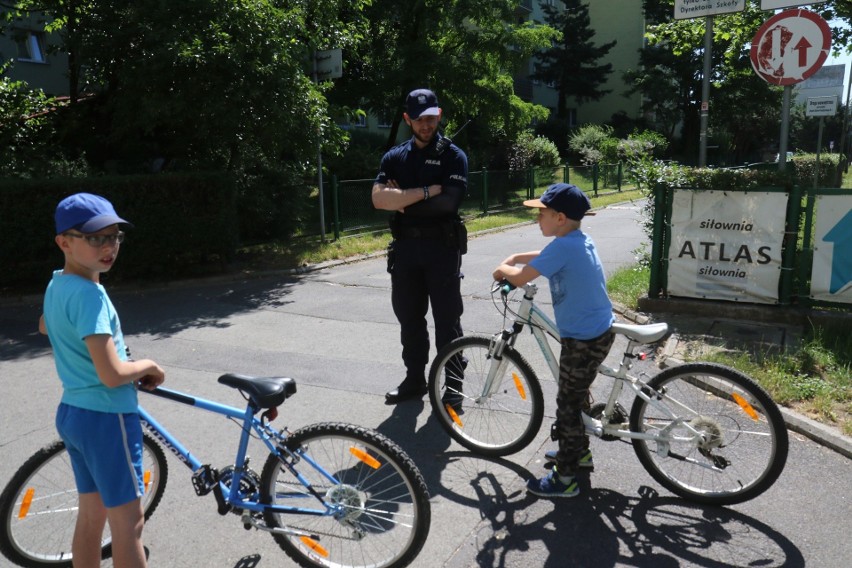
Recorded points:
(493, 380)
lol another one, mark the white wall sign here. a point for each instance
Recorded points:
(831, 274)
(726, 245)
(686, 9)
(821, 106)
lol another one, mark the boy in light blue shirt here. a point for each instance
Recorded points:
(97, 416)
(583, 316)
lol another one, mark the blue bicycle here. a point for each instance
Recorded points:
(331, 494)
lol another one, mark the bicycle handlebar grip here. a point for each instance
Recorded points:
(506, 287)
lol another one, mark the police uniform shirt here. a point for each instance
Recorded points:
(413, 167)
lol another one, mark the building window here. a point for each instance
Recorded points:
(385, 119)
(30, 46)
(572, 117)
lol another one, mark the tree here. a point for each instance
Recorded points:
(743, 107)
(24, 127)
(200, 83)
(571, 61)
(465, 50)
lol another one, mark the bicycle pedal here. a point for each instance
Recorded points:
(204, 479)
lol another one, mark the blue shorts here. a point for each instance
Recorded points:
(106, 452)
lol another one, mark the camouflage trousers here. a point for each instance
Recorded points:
(578, 367)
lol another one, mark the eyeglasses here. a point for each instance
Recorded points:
(98, 241)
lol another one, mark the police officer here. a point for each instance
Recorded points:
(423, 181)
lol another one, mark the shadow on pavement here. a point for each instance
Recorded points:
(601, 527)
(158, 313)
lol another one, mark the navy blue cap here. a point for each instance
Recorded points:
(85, 212)
(421, 102)
(564, 198)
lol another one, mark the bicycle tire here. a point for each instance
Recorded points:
(379, 500)
(40, 534)
(499, 424)
(746, 442)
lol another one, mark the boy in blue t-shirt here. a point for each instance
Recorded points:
(97, 416)
(583, 315)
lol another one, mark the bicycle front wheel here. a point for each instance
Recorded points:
(495, 418)
(374, 499)
(727, 443)
(38, 507)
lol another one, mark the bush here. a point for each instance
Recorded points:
(531, 151)
(805, 166)
(591, 143)
(183, 224)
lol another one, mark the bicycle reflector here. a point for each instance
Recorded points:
(146, 479)
(745, 406)
(453, 414)
(314, 545)
(25, 503)
(519, 386)
(365, 457)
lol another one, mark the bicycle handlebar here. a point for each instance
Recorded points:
(504, 286)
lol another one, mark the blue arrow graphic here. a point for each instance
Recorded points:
(841, 259)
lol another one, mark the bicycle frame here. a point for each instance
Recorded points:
(542, 326)
(273, 439)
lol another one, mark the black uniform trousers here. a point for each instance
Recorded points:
(425, 271)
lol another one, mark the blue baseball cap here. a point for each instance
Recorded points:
(421, 102)
(85, 212)
(565, 198)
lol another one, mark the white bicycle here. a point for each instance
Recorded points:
(706, 432)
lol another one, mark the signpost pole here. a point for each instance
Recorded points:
(819, 147)
(319, 166)
(785, 128)
(705, 92)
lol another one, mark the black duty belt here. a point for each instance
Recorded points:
(426, 232)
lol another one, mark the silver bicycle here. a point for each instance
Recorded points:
(704, 431)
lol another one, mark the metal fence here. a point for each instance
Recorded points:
(349, 207)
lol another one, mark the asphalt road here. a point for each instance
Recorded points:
(334, 331)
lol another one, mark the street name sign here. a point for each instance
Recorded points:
(686, 9)
(790, 47)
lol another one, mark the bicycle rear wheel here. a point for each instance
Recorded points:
(495, 420)
(378, 504)
(744, 441)
(38, 507)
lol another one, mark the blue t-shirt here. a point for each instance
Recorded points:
(577, 286)
(75, 308)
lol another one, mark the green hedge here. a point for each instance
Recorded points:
(184, 224)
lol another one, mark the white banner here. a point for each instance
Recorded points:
(831, 274)
(726, 245)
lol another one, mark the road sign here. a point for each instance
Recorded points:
(329, 64)
(821, 106)
(774, 4)
(686, 9)
(790, 47)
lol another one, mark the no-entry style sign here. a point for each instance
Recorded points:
(790, 47)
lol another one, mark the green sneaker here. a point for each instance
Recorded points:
(551, 486)
(586, 460)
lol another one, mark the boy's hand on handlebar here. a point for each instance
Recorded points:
(152, 380)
